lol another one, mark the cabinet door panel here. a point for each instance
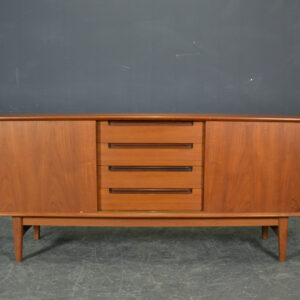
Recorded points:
(252, 167)
(48, 166)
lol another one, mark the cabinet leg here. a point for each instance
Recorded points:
(36, 230)
(282, 238)
(265, 232)
(18, 237)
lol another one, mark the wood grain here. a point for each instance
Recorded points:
(155, 133)
(251, 178)
(153, 117)
(150, 157)
(151, 214)
(151, 202)
(48, 166)
(18, 237)
(111, 222)
(150, 179)
(149, 123)
(252, 167)
(282, 238)
(37, 232)
(265, 232)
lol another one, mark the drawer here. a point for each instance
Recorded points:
(150, 177)
(150, 154)
(150, 200)
(149, 132)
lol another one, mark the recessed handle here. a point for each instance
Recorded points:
(150, 169)
(150, 191)
(150, 145)
(150, 123)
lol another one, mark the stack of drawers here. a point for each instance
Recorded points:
(150, 166)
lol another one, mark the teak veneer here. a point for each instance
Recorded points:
(150, 170)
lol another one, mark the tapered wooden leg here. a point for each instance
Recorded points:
(36, 230)
(282, 238)
(265, 232)
(18, 237)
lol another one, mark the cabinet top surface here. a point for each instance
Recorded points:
(140, 116)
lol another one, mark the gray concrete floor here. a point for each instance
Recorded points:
(149, 263)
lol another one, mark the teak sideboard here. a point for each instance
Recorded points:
(149, 170)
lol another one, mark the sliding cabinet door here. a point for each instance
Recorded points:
(252, 167)
(48, 167)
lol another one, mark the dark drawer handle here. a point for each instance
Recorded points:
(150, 123)
(149, 169)
(150, 146)
(150, 191)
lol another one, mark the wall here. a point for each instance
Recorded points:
(97, 56)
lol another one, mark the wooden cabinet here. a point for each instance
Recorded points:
(150, 166)
(252, 167)
(47, 166)
(150, 170)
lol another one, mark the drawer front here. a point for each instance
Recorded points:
(151, 177)
(150, 165)
(149, 132)
(149, 154)
(151, 200)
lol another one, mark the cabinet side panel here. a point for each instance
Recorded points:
(252, 167)
(48, 166)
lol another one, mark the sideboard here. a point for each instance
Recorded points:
(151, 170)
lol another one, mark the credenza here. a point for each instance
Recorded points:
(149, 170)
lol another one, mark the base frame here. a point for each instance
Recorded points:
(22, 224)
